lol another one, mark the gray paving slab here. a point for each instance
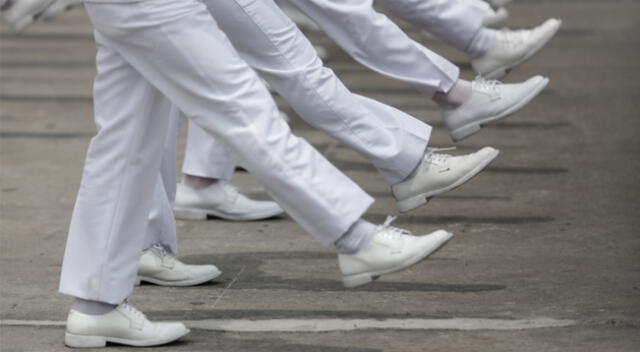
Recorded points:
(550, 230)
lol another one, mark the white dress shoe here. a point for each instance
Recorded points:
(513, 48)
(22, 13)
(124, 325)
(490, 101)
(222, 200)
(159, 267)
(58, 7)
(392, 249)
(491, 17)
(437, 174)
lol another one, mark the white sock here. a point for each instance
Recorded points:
(456, 96)
(198, 182)
(92, 307)
(356, 238)
(483, 41)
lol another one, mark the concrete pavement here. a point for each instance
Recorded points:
(549, 232)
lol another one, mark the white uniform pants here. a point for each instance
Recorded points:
(270, 42)
(162, 222)
(151, 49)
(379, 44)
(205, 156)
(454, 21)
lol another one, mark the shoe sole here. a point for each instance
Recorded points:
(88, 341)
(204, 214)
(501, 72)
(183, 283)
(414, 202)
(473, 127)
(351, 281)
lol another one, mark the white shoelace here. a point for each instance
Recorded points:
(163, 254)
(231, 190)
(485, 85)
(160, 250)
(489, 87)
(437, 158)
(391, 232)
(126, 306)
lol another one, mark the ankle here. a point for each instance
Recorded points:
(456, 96)
(92, 307)
(198, 182)
(483, 41)
(358, 237)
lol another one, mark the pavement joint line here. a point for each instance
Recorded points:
(327, 325)
(235, 278)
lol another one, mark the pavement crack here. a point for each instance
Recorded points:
(235, 278)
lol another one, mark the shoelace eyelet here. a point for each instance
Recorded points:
(392, 232)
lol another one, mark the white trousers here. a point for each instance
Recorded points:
(372, 39)
(454, 21)
(162, 222)
(206, 156)
(150, 50)
(393, 141)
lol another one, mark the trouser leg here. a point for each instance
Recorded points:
(454, 21)
(378, 43)
(177, 48)
(108, 225)
(206, 156)
(266, 38)
(183, 53)
(162, 223)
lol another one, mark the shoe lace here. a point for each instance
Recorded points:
(229, 188)
(129, 308)
(161, 251)
(391, 232)
(482, 84)
(433, 157)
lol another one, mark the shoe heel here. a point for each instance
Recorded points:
(411, 203)
(189, 214)
(351, 281)
(82, 341)
(464, 132)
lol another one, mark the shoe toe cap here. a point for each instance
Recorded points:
(431, 242)
(488, 153)
(441, 235)
(534, 80)
(211, 271)
(171, 331)
(552, 24)
(272, 207)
